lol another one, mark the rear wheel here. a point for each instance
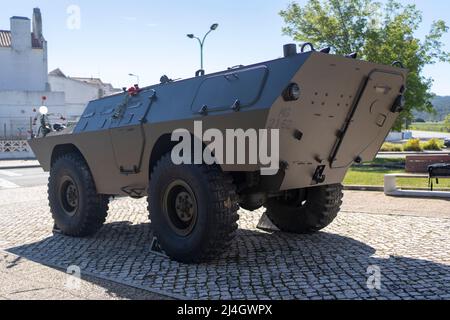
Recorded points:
(193, 210)
(305, 211)
(77, 208)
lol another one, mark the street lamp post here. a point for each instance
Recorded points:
(136, 76)
(202, 42)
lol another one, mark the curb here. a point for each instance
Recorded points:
(364, 188)
(19, 167)
(381, 189)
(413, 153)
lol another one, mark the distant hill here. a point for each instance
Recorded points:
(442, 107)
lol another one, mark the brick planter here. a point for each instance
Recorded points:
(419, 164)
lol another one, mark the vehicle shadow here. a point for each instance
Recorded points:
(259, 265)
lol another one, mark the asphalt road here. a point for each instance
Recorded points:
(403, 155)
(23, 177)
(430, 135)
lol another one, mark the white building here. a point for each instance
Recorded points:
(23, 75)
(78, 91)
(23, 55)
(24, 80)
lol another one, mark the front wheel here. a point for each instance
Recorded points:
(193, 210)
(77, 208)
(306, 211)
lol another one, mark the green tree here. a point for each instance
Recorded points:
(378, 33)
(447, 123)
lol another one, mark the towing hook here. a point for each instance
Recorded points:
(326, 50)
(307, 44)
(399, 104)
(398, 64)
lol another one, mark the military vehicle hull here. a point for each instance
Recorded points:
(330, 86)
(344, 111)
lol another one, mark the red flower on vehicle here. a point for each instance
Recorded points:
(133, 91)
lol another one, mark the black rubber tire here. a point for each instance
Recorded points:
(321, 208)
(216, 217)
(92, 209)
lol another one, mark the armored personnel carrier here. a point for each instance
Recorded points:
(328, 112)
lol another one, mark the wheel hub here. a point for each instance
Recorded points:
(184, 206)
(72, 195)
(68, 195)
(180, 207)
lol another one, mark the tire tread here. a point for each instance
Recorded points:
(224, 205)
(323, 209)
(97, 205)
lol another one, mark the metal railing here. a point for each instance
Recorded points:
(22, 128)
(16, 128)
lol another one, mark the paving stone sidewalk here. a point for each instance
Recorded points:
(410, 253)
(22, 279)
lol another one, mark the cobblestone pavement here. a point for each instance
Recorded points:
(411, 252)
(22, 279)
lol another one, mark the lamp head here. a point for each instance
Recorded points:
(43, 110)
(191, 36)
(214, 26)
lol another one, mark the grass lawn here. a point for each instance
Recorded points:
(369, 176)
(428, 126)
(384, 162)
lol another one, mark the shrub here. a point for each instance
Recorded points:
(391, 147)
(413, 145)
(433, 145)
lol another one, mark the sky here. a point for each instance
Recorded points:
(148, 37)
